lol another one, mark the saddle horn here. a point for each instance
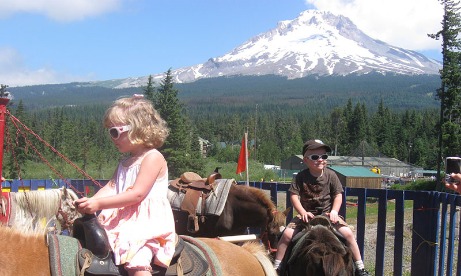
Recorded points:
(92, 235)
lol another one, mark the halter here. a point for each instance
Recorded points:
(265, 235)
(65, 217)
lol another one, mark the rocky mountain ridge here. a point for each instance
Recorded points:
(314, 43)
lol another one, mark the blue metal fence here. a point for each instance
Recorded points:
(435, 227)
(435, 223)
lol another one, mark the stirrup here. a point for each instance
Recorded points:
(192, 223)
(92, 264)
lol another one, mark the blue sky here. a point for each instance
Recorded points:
(56, 41)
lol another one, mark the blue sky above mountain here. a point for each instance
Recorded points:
(314, 43)
(46, 41)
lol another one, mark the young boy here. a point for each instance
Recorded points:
(317, 186)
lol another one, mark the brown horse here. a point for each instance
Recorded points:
(318, 250)
(28, 254)
(39, 211)
(244, 207)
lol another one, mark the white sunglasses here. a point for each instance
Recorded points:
(315, 157)
(115, 132)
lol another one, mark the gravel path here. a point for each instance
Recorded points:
(370, 249)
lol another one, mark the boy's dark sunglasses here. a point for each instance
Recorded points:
(115, 132)
(315, 157)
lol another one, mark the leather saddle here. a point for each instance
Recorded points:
(195, 187)
(327, 223)
(96, 257)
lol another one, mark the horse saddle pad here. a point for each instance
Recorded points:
(186, 261)
(214, 202)
(63, 251)
(189, 261)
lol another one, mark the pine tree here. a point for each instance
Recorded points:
(178, 148)
(3, 91)
(18, 155)
(450, 91)
(149, 90)
(337, 124)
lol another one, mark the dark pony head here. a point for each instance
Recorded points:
(274, 229)
(320, 252)
(274, 221)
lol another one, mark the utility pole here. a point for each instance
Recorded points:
(409, 151)
(256, 123)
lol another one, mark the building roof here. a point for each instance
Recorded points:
(387, 165)
(351, 171)
(364, 161)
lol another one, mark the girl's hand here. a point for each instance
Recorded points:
(86, 205)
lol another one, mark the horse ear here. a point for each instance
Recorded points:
(287, 210)
(64, 191)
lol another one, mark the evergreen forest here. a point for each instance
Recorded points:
(396, 115)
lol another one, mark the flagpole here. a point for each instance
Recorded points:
(242, 163)
(246, 159)
(3, 103)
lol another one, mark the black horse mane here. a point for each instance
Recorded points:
(252, 194)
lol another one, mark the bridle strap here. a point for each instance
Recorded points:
(265, 234)
(64, 216)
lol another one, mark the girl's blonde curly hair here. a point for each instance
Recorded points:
(147, 127)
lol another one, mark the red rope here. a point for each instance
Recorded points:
(18, 124)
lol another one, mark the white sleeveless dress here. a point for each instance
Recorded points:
(143, 230)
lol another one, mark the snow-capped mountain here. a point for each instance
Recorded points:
(314, 43)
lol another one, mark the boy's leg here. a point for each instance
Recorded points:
(283, 245)
(351, 242)
(354, 247)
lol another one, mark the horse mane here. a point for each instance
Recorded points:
(276, 219)
(255, 248)
(254, 194)
(40, 202)
(32, 211)
(263, 256)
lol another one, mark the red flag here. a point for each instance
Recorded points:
(242, 162)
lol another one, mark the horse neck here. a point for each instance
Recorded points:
(40, 203)
(33, 211)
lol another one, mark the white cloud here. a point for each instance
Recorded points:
(13, 72)
(403, 23)
(59, 10)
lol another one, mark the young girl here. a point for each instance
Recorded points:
(136, 213)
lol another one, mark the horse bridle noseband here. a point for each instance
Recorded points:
(65, 217)
(265, 234)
